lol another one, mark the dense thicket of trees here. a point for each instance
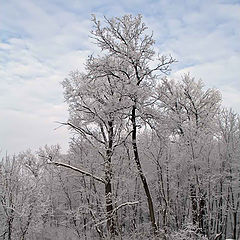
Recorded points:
(150, 157)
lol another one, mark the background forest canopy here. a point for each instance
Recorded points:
(150, 157)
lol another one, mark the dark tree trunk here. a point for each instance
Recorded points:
(140, 171)
(202, 214)
(108, 185)
(234, 225)
(194, 203)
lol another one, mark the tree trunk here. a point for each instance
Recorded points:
(194, 204)
(140, 171)
(108, 185)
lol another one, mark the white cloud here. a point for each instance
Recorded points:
(23, 130)
(231, 97)
(217, 73)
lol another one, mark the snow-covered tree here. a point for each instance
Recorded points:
(106, 102)
(22, 197)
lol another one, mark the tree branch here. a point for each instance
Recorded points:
(76, 169)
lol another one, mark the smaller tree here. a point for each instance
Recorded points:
(22, 198)
(192, 114)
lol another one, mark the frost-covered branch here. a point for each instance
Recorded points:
(123, 205)
(77, 170)
(116, 209)
(84, 172)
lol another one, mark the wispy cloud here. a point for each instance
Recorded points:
(42, 41)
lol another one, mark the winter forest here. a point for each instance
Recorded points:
(151, 157)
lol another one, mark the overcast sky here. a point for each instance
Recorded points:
(41, 41)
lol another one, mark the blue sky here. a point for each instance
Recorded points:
(41, 41)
